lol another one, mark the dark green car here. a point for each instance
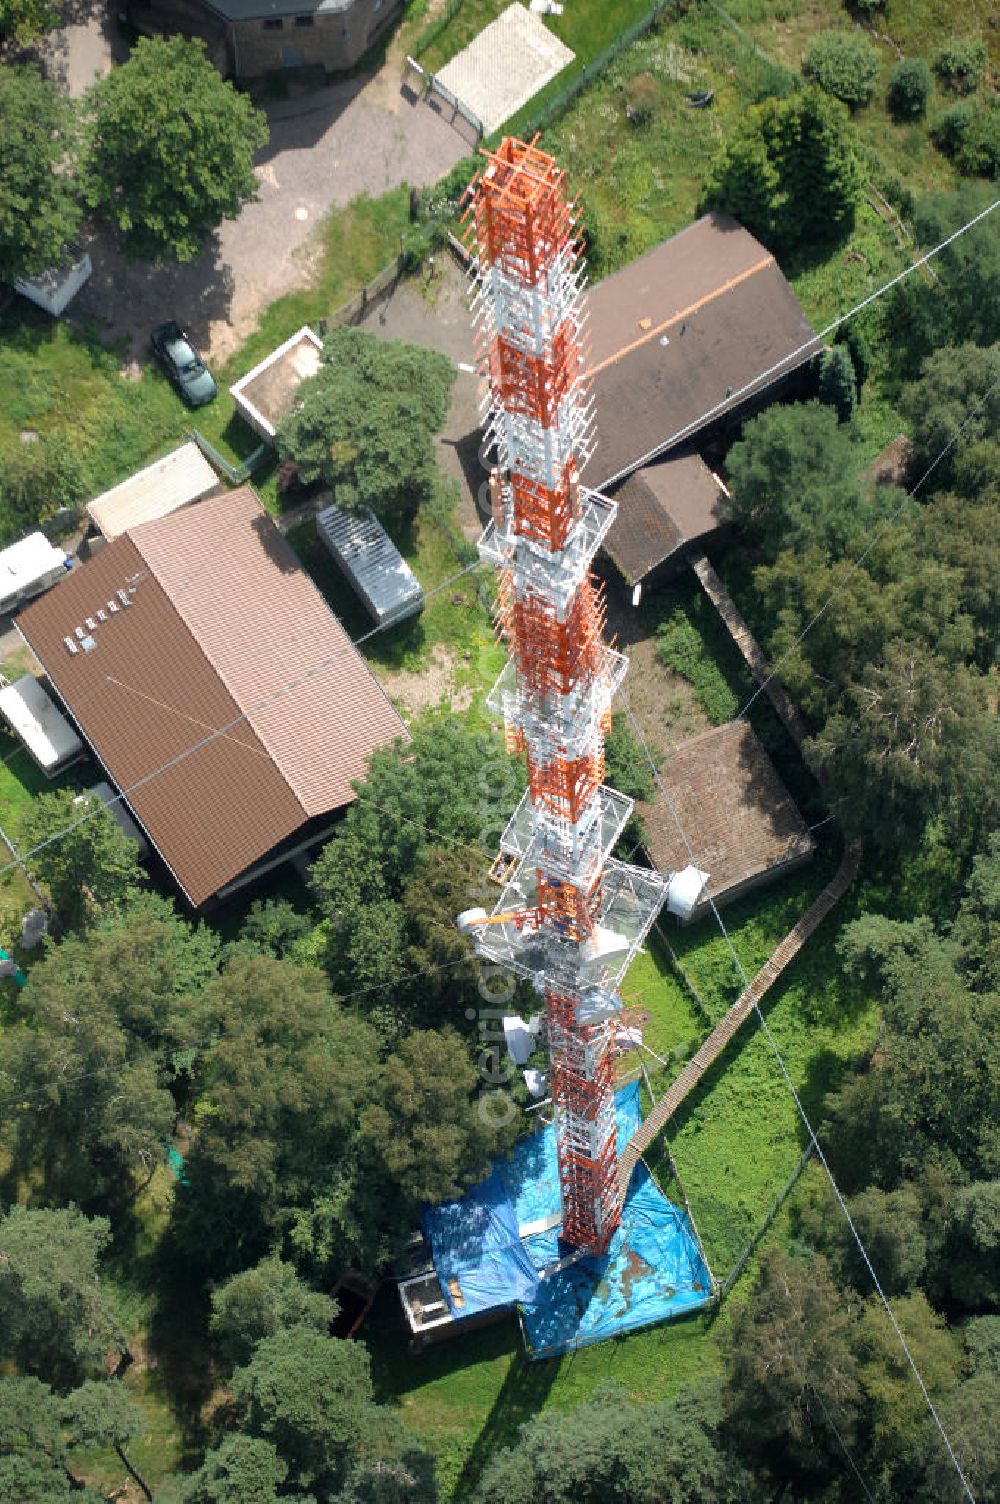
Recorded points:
(183, 364)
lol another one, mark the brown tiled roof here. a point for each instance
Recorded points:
(720, 301)
(223, 627)
(734, 809)
(660, 508)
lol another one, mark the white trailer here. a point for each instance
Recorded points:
(54, 289)
(29, 567)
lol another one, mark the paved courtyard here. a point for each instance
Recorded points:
(363, 135)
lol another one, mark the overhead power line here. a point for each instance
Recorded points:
(754, 383)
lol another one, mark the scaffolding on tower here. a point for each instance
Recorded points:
(570, 918)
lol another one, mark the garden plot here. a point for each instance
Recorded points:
(506, 65)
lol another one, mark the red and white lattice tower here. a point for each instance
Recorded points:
(570, 918)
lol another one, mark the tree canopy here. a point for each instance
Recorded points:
(278, 1096)
(311, 1398)
(91, 864)
(258, 1302)
(790, 173)
(57, 1320)
(365, 423)
(169, 148)
(610, 1447)
(430, 1124)
(39, 209)
(794, 475)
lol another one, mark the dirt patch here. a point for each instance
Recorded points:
(424, 688)
(665, 705)
(432, 310)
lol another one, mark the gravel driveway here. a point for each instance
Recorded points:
(363, 135)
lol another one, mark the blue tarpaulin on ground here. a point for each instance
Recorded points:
(653, 1270)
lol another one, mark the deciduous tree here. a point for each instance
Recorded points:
(279, 1094)
(261, 1301)
(39, 209)
(609, 1447)
(791, 172)
(365, 423)
(433, 1126)
(311, 1397)
(80, 853)
(170, 148)
(56, 1317)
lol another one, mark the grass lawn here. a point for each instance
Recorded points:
(587, 27)
(735, 1143)
(454, 627)
(60, 380)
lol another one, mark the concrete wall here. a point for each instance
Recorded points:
(248, 49)
(333, 42)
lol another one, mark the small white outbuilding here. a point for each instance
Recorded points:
(29, 567)
(43, 729)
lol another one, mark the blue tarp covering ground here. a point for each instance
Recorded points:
(653, 1270)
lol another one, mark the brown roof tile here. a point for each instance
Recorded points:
(734, 809)
(660, 508)
(222, 618)
(727, 313)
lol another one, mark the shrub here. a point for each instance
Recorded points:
(844, 64)
(642, 95)
(909, 89)
(949, 129)
(867, 8)
(970, 135)
(838, 387)
(961, 64)
(681, 647)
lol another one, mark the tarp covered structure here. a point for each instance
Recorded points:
(490, 1250)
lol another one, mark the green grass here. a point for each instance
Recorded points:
(455, 619)
(57, 379)
(586, 27)
(735, 1142)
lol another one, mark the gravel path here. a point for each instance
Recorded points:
(363, 135)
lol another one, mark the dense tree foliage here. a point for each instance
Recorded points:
(426, 821)
(964, 302)
(91, 864)
(792, 174)
(168, 188)
(311, 1398)
(365, 423)
(432, 1126)
(24, 21)
(279, 1089)
(261, 1301)
(794, 478)
(39, 211)
(57, 1321)
(612, 1448)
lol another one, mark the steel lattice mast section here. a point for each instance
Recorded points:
(570, 919)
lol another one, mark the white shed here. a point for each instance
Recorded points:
(182, 476)
(375, 568)
(42, 728)
(55, 288)
(29, 567)
(266, 394)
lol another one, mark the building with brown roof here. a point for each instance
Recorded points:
(699, 327)
(215, 686)
(665, 512)
(742, 824)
